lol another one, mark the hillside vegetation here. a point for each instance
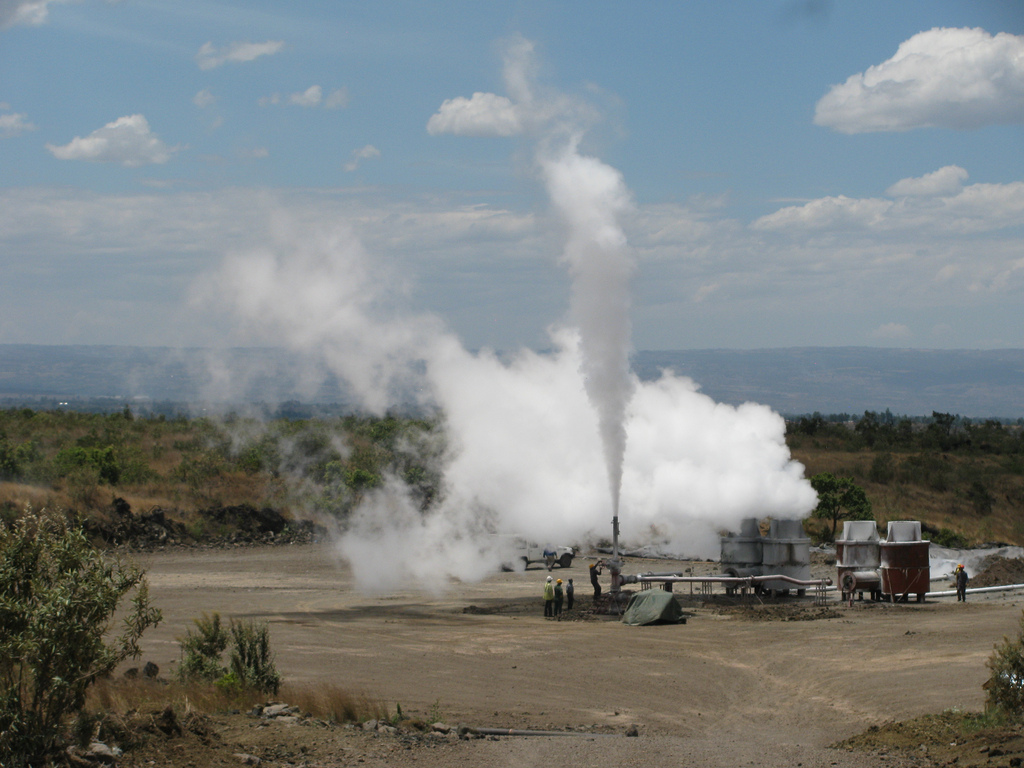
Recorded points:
(963, 480)
(82, 462)
(959, 478)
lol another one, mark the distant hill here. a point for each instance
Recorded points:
(799, 380)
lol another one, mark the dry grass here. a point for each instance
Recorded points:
(126, 695)
(327, 702)
(334, 703)
(20, 496)
(945, 508)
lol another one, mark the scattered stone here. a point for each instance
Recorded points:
(633, 730)
(370, 725)
(440, 727)
(246, 759)
(167, 722)
(98, 752)
(276, 710)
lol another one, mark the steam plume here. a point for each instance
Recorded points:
(589, 196)
(521, 452)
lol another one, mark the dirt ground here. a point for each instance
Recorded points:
(723, 689)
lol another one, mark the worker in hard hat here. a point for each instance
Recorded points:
(961, 583)
(549, 598)
(558, 599)
(595, 571)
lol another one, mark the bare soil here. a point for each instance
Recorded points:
(742, 682)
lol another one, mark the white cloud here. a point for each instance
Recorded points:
(310, 97)
(524, 110)
(934, 202)
(27, 12)
(203, 99)
(951, 78)
(127, 141)
(14, 124)
(490, 271)
(485, 114)
(337, 99)
(363, 153)
(210, 57)
(892, 332)
(945, 181)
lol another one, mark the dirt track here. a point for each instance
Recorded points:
(720, 690)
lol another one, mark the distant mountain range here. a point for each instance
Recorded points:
(793, 381)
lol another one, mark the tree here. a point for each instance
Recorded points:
(839, 498)
(58, 596)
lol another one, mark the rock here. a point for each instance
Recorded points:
(440, 728)
(132, 673)
(288, 719)
(167, 722)
(370, 725)
(276, 710)
(247, 759)
(151, 670)
(632, 730)
(98, 752)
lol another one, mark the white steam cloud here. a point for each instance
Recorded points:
(589, 196)
(536, 444)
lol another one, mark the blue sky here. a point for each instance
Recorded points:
(801, 173)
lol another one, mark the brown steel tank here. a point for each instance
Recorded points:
(904, 567)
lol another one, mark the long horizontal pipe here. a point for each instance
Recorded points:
(976, 590)
(732, 580)
(520, 732)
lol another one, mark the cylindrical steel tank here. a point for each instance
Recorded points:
(786, 551)
(858, 556)
(904, 561)
(741, 554)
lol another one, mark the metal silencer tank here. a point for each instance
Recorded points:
(741, 554)
(787, 552)
(858, 556)
(904, 561)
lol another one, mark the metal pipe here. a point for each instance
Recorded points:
(520, 732)
(976, 590)
(731, 580)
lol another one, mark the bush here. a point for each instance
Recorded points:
(201, 650)
(57, 598)
(252, 663)
(1006, 685)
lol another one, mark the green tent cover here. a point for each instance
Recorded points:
(653, 606)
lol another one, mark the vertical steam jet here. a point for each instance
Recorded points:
(590, 196)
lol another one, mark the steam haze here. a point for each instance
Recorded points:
(540, 445)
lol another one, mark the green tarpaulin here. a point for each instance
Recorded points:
(653, 606)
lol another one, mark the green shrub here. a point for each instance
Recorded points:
(201, 650)
(58, 596)
(1006, 685)
(946, 537)
(251, 664)
(251, 659)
